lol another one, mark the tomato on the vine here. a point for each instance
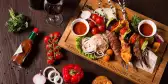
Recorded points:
(57, 34)
(46, 39)
(48, 46)
(50, 53)
(58, 56)
(51, 36)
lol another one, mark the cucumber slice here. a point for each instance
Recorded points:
(144, 45)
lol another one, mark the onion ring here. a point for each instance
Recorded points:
(49, 67)
(56, 74)
(56, 80)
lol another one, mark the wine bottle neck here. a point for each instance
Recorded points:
(32, 36)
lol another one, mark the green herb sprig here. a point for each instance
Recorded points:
(17, 22)
(135, 21)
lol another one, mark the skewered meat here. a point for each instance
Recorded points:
(141, 56)
(137, 52)
(114, 44)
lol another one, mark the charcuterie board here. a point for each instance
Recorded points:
(68, 42)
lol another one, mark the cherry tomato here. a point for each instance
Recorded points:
(58, 56)
(91, 24)
(57, 34)
(50, 53)
(50, 60)
(95, 31)
(55, 40)
(46, 39)
(94, 16)
(48, 47)
(51, 36)
(56, 48)
(99, 20)
(102, 28)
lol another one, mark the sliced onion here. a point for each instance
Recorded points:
(56, 80)
(49, 67)
(56, 75)
(159, 38)
(85, 14)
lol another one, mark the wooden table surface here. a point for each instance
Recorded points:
(9, 74)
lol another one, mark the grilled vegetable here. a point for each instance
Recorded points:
(156, 46)
(143, 43)
(133, 38)
(125, 51)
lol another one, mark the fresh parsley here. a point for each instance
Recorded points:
(135, 21)
(16, 22)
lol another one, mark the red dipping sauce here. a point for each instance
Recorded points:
(79, 28)
(146, 29)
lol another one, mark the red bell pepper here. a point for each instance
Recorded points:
(72, 73)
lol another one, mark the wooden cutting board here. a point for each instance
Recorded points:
(68, 42)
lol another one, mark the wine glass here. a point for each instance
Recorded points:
(53, 9)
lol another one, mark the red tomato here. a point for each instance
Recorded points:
(91, 24)
(57, 34)
(94, 16)
(51, 35)
(95, 31)
(50, 61)
(99, 20)
(46, 39)
(58, 56)
(48, 47)
(102, 28)
(50, 53)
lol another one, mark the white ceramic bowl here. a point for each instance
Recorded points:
(153, 25)
(83, 21)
